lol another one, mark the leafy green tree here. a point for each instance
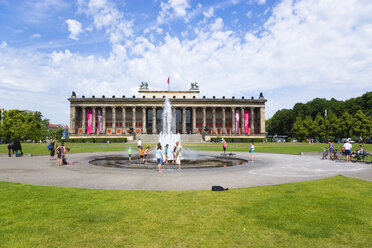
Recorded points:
(345, 123)
(281, 123)
(24, 125)
(299, 129)
(361, 125)
(319, 127)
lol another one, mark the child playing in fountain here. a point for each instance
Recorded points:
(147, 154)
(178, 154)
(130, 154)
(142, 154)
(166, 153)
(159, 156)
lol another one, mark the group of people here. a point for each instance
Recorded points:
(251, 148)
(162, 155)
(346, 150)
(61, 152)
(15, 147)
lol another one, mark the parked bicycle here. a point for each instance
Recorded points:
(332, 155)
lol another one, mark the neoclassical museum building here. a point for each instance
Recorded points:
(125, 116)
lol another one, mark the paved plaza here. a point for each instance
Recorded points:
(267, 169)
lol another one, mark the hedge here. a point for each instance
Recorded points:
(238, 140)
(95, 140)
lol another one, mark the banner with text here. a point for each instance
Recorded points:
(237, 121)
(90, 117)
(246, 121)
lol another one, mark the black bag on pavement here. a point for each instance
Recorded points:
(218, 188)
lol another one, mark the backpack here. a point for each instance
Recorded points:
(49, 147)
(218, 188)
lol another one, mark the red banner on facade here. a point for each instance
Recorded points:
(90, 121)
(246, 121)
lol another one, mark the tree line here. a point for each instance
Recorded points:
(321, 118)
(26, 125)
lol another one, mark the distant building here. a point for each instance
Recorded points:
(191, 114)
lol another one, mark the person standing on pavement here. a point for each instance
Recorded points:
(348, 148)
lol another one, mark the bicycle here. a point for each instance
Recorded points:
(365, 157)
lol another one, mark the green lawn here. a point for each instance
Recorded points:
(291, 148)
(333, 212)
(41, 149)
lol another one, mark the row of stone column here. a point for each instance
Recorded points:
(144, 130)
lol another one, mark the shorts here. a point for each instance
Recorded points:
(251, 151)
(139, 147)
(160, 160)
(145, 155)
(224, 149)
(59, 156)
(331, 150)
(141, 156)
(178, 160)
(130, 155)
(347, 152)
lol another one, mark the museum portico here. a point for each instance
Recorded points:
(124, 116)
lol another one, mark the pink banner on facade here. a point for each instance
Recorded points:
(90, 118)
(246, 121)
(237, 121)
(99, 121)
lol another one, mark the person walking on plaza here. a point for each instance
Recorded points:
(348, 148)
(178, 154)
(159, 156)
(10, 149)
(166, 153)
(130, 153)
(60, 154)
(174, 151)
(51, 149)
(18, 147)
(251, 150)
(139, 144)
(224, 145)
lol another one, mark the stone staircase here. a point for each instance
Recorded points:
(185, 138)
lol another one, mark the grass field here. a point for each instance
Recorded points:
(41, 148)
(291, 148)
(333, 212)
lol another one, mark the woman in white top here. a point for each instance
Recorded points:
(347, 147)
(251, 150)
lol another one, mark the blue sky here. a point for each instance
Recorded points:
(292, 51)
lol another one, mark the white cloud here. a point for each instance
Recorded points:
(3, 45)
(261, 2)
(35, 36)
(108, 17)
(249, 14)
(173, 9)
(75, 28)
(209, 13)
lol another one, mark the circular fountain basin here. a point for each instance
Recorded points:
(200, 162)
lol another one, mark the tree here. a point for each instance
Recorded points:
(24, 125)
(361, 125)
(281, 123)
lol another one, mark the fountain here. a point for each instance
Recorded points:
(167, 136)
(190, 159)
